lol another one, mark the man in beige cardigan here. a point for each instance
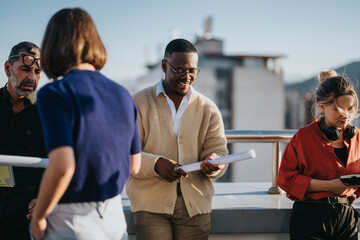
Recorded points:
(178, 126)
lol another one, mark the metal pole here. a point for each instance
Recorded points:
(276, 160)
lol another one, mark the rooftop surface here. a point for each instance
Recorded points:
(244, 211)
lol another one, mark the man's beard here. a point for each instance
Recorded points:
(18, 88)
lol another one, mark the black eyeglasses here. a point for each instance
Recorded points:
(28, 60)
(181, 71)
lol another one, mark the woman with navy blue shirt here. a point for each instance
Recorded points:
(91, 136)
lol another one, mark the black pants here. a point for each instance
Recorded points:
(323, 221)
(13, 209)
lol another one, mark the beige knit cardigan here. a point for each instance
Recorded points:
(201, 132)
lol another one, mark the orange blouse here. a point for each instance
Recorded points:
(309, 155)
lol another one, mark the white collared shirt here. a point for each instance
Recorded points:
(176, 115)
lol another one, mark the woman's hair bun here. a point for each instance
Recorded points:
(325, 74)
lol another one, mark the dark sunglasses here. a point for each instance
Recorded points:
(28, 60)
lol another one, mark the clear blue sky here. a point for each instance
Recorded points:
(312, 34)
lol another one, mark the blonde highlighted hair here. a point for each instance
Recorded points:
(331, 87)
(325, 74)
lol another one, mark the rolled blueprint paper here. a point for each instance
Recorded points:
(226, 159)
(20, 161)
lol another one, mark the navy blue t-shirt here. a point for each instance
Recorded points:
(98, 119)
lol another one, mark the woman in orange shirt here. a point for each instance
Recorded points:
(314, 160)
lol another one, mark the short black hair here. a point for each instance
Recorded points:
(28, 47)
(179, 45)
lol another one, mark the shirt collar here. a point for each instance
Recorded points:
(7, 98)
(160, 89)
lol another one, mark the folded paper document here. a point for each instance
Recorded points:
(226, 159)
(6, 176)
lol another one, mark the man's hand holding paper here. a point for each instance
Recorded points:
(168, 169)
(209, 168)
(220, 160)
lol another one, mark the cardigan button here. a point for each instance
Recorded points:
(180, 141)
(168, 203)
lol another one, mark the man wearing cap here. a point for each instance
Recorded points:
(20, 135)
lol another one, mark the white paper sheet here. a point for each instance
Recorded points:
(20, 161)
(226, 159)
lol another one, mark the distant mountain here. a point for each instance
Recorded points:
(350, 71)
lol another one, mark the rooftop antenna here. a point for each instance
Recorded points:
(174, 33)
(207, 30)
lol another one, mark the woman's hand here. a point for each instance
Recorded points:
(38, 227)
(335, 186)
(338, 187)
(31, 208)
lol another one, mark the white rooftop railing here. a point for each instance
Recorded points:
(233, 136)
(264, 136)
(20, 161)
